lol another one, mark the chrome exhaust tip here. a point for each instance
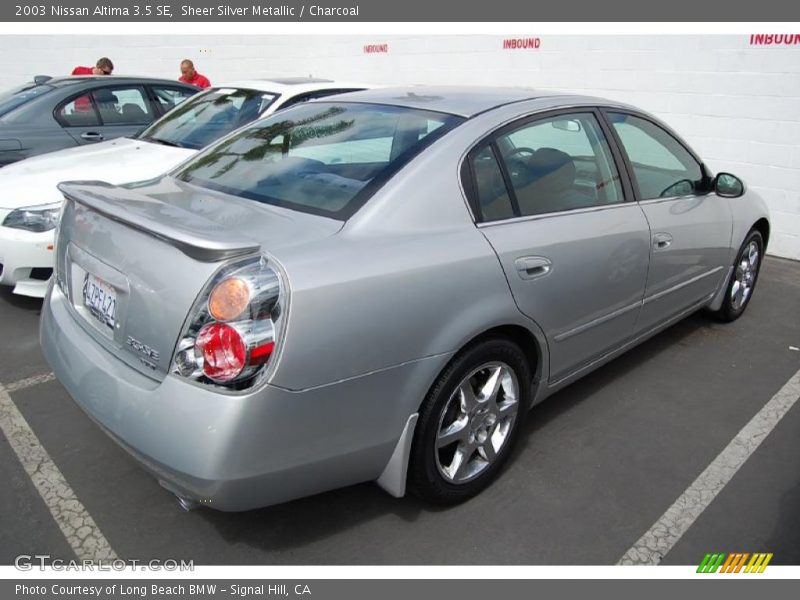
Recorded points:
(186, 504)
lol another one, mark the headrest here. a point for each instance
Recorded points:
(105, 97)
(546, 161)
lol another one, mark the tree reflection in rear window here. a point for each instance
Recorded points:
(322, 158)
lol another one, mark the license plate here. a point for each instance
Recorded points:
(101, 299)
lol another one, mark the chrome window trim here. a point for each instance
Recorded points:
(561, 213)
(670, 198)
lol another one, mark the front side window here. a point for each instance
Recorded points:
(206, 117)
(322, 158)
(662, 166)
(552, 164)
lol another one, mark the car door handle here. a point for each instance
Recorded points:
(531, 267)
(661, 240)
(92, 136)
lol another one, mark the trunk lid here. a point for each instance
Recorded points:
(144, 252)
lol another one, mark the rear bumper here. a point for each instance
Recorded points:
(21, 252)
(234, 452)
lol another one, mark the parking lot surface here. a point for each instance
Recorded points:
(597, 466)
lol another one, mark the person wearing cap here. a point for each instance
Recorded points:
(191, 76)
(104, 66)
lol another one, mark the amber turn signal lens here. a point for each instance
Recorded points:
(229, 299)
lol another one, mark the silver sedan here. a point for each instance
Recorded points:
(378, 287)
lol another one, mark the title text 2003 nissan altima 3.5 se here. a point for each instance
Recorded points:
(379, 287)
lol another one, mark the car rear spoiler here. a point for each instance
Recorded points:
(195, 236)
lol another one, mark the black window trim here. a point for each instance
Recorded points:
(468, 175)
(607, 111)
(468, 181)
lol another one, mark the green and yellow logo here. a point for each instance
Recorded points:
(734, 562)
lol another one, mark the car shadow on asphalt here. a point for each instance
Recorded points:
(308, 520)
(26, 303)
(611, 372)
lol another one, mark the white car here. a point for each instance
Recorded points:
(30, 202)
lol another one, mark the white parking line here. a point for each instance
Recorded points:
(82, 533)
(665, 533)
(29, 382)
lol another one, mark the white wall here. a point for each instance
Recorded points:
(737, 104)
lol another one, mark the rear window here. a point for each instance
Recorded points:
(18, 96)
(321, 158)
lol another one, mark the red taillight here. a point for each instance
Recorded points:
(233, 328)
(260, 354)
(223, 350)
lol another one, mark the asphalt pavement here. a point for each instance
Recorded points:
(598, 465)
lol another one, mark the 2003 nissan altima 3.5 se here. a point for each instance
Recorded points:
(378, 287)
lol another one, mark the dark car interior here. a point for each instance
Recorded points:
(544, 180)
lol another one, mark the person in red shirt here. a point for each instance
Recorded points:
(104, 66)
(192, 77)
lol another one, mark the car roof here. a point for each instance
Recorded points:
(112, 79)
(292, 85)
(465, 101)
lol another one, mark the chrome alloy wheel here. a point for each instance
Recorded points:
(745, 276)
(476, 422)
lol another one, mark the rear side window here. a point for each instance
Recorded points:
(662, 166)
(78, 112)
(322, 158)
(550, 165)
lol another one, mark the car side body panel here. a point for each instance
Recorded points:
(691, 239)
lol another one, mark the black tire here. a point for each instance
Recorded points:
(425, 478)
(730, 309)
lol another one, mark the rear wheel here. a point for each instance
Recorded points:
(744, 277)
(469, 422)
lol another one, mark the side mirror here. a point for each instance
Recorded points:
(728, 186)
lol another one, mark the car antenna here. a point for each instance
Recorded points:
(40, 79)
